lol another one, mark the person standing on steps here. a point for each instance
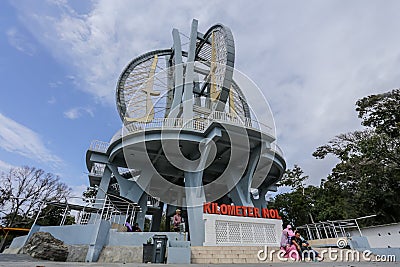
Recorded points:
(177, 219)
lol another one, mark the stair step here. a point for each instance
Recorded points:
(225, 260)
(243, 254)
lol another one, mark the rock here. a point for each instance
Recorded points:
(44, 246)
(77, 253)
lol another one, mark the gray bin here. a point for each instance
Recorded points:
(147, 253)
(159, 248)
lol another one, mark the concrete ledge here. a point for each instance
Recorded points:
(180, 255)
(326, 242)
(14, 250)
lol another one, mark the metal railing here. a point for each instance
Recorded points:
(117, 210)
(99, 146)
(153, 201)
(277, 149)
(83, 217)
(199, 124)
(97, 169)
(332, 229)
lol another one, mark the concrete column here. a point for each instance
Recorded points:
(189, 76)
(260, 202)
(98, 240)
(178, 73)
(103, 188)
(195, 198)
(140, 217)
(156, 221)
(240, 194)
(130, 189)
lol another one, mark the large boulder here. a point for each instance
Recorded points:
(44, 246)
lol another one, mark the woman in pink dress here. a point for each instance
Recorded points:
(289, 249)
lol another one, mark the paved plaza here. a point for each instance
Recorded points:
(20, 260)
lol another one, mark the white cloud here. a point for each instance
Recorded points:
(16, 138)
(312, 59)
(76, 194)
(99, 44)
(19, 42)
(75, 113)
(4, 166)
(55, 84)
(52, 100)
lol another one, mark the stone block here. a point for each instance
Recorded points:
(121, 254)
(203, 261)
(43, 245)
(226, 260)
(239, 261)
(220, 255)
(77, 253)
(252, 260)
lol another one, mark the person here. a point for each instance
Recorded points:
(128, 224)
(288, 248)
(304, 248)
(136, 228)
(287, 233)
(290, 230)
(177, 219)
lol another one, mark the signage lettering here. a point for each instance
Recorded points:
(241, 211)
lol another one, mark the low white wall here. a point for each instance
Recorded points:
(222, 230)
(138, 238)
(382, 236)
(18, 242)
(75, 234)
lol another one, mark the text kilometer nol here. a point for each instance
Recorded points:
(243, 211)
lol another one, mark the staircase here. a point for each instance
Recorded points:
(227, 254)
(248, 254)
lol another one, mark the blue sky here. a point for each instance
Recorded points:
(60, 61)
(47, 120)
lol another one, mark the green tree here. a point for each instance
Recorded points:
(147, 224)
(52, 215)
(381, 112)
(368, 172)
(294, 206)
(89, 195)
(293, 178)
(163, 225)
(365, 181)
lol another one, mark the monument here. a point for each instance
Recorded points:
(190, 135)
(197, 135)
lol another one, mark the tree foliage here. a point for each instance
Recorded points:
(365, 181)
(293, 178)
(23, 190)
(89, 195)
(381, 112)
(369, 167)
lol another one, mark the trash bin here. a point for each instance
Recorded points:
(159, 248)
(147, 253)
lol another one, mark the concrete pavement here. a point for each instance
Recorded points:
(20, 260)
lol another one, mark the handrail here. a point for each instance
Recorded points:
(153, 201)
(277, 149)
(99, 146)
(198, 124)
